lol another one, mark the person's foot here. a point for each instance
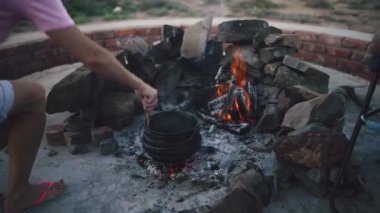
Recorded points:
(29, 196)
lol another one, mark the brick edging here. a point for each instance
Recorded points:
(337, 52)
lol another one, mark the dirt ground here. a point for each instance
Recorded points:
(359, 15)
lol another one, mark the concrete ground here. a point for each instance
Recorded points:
(100, 184)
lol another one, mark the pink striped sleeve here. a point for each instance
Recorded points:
(47, 15)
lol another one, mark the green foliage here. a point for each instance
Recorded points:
(323, 4)
(258, 8)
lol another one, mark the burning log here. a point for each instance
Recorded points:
(242, 101)
(252, 91)
(238, 128)
(230, 100)
(217, 104)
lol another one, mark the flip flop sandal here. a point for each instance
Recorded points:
(41, 201)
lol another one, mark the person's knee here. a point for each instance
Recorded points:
(29, 96)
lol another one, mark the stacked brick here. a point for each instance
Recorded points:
(345, 54)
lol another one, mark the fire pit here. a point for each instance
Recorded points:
(246, 81)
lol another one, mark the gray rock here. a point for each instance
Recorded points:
(311, 128)
(286, 77)
(317, 81)
(283, 40)
(52, 152)
(239, 31)
(327, 109)
(313, 150)
(195, 39)
(270, 119)
(258, 38)
(271, 69)
(294, 95)
(248, 55)
(167, 80)
(295, 63)
(79, 149)
(117, 110)
(271, 54)
(253, 182)
(72, 93)
(108, 146)
(134, 45)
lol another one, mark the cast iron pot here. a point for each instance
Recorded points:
(173, 136)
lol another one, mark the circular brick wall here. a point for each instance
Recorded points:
(341, 53)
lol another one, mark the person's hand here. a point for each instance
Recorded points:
(148, 96)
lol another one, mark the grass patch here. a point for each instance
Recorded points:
(320, 4)
(258, 8)
(335, 19)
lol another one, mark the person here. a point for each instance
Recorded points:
(22, 103)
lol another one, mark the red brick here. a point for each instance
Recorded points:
(355, 44)
(101, 133)
(339, 52)
(102, 35)
(110, 43)
(358, 56)
(330, 39)
(350, 66)
(6, 52)
(124, 32)
(307, 56)
(44, 53)
(312, 47)
(55, 135)
(57, 60)
(307, 36)
(77, 138)
(21, 58)
(154, 31)
(35, 66)
(326, 60)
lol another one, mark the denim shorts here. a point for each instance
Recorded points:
(7, 96)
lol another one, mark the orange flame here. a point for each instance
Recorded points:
(238, 70)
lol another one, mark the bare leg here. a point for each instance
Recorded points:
(26, 125)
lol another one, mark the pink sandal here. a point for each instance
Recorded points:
(42, 198)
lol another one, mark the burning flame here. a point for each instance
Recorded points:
(238, 71)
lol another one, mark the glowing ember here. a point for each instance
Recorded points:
(239, 79)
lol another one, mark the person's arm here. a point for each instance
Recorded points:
(102, 62)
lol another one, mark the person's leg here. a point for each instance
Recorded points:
(26, 124)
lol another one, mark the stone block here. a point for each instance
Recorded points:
(326, 109)
(55, 135)
(271, 69)
(195, 39)
(313, 150)
(295, 63)
(287, 77)
(283, 40)
(258, 39)
(271, 54)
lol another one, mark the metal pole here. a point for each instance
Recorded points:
(354, 138)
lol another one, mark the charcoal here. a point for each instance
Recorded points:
(169, 32)
(217, 104)
(237, 128)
